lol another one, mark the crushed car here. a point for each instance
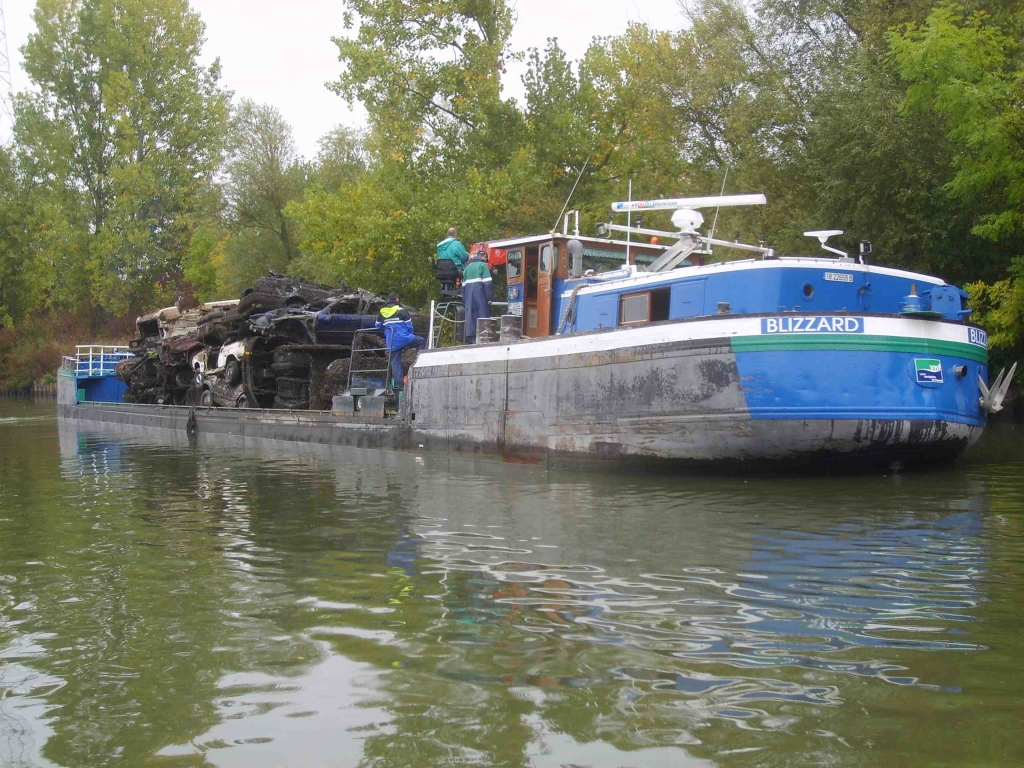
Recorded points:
(284, 344)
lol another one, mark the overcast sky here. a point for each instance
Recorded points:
(281, 53)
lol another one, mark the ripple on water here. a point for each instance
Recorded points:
(248, 607)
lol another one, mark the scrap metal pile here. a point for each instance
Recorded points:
(285, 343)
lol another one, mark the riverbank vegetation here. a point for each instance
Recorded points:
(133, 180)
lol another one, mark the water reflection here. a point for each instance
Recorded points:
(234, 605)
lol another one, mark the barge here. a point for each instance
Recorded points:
(635, 352)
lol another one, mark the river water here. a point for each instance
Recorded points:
(231, 605)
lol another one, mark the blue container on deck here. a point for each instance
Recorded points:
(90, 374)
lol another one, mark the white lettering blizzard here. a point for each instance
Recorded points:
(812, 325)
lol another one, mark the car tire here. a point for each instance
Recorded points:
(233, 372)
(292, 394)
(206, 398)
(288, 355)
(259, 302)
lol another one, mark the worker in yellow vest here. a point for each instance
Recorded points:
(396, 322)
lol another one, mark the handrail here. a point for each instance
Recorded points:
(96, 359)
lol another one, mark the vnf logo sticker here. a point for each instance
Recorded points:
(928, 371)
(833, 324)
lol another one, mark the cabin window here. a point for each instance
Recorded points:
(645, 307)
(514, 263)
(635, 308)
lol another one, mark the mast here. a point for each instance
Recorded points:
(6, 82)
(629, 220)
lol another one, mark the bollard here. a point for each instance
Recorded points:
(511, 328)
(486, 330)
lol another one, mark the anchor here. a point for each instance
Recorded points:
(992, 399)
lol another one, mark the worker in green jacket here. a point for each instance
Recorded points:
(477, 293)
(451, 259)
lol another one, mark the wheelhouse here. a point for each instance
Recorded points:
(538, 269)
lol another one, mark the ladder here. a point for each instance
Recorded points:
(370, 366)
(448, 324)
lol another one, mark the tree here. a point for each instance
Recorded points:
(967, 69)
(342, 159)
(265, 173)
(124, 136)
(13, 288)
(441, 147)
(999, 308)
(429, 73)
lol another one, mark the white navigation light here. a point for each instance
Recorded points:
(722, 201)
(687, 219)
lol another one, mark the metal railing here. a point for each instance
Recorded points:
(95, 360)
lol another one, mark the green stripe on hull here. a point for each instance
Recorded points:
(834, 342)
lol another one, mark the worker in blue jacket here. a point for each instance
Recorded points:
(396, 323)
(477, 292)
(451, 260)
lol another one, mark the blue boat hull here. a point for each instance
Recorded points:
(714, 391)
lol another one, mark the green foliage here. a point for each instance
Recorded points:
(999, 308)
(428, 73)
(265, 173)
(966, 68)
(14, 288)
(121, 139)
(900, 123)
(342, 159)
(203, 263)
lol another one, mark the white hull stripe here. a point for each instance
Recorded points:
(694, 330)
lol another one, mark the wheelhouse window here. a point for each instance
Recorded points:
(548, 259)
(514, 263)
(646, 307)
(599, 265)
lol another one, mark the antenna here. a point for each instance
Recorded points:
(571, 192)
(823, 235)
(714, 224)
(6, 83)
(725, 201)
